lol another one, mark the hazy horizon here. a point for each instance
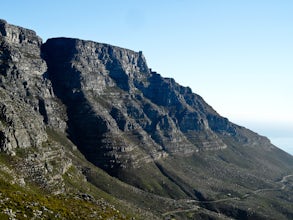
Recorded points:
(236, 54)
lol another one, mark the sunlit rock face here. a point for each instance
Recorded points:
(22, 88)
(28, 107)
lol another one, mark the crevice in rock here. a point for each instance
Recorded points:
(43, 111)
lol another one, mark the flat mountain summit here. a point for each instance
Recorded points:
(89, 131)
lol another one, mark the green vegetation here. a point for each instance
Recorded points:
(31, 201)
(76, 202)
(21, 204)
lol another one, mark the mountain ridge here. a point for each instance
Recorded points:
(68, 104)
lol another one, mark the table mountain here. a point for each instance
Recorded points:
(91, 123)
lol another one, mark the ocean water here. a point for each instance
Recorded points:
(284, 143)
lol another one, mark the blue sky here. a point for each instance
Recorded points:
(238, 55)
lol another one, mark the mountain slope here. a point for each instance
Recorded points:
(72, 110)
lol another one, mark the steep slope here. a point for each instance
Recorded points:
(72, 109)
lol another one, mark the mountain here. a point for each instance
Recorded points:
(88, 130)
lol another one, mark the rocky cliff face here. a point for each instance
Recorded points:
(27, 104)
(68, 96)
(123, 114)
(21, 80)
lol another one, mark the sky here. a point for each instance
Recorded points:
(236, 54)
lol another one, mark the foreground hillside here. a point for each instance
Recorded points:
(87, 130)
